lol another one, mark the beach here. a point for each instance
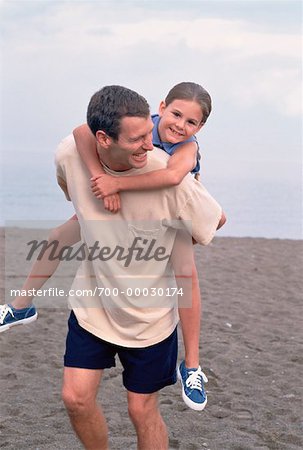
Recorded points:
(250, 350)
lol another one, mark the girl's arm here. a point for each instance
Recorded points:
(86, 146)
(179, 164)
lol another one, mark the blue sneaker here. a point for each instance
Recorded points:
(193, 392)
(10, 316)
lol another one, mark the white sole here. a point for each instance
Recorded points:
(19, 322)
(187, 401)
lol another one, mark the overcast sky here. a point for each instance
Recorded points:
(56, 54)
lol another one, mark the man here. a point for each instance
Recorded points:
(141, 328)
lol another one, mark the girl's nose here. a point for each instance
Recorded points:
(180, 123)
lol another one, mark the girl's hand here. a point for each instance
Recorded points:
(112, 203)
(104, 185)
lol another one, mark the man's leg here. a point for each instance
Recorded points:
(79, 392)
(144, 412)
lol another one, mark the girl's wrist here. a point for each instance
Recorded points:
(119, 184)
(96, 173)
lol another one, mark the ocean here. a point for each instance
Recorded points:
(256, 204)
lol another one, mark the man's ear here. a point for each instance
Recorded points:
(162, 107)
(103, 139)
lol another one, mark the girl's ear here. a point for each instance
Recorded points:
(103, 139)
(162, 107)
(200, 126)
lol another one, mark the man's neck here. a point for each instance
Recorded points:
(108, 162)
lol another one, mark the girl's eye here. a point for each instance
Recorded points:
(192, 123)
(176, 114)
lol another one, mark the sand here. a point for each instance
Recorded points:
(251, 351)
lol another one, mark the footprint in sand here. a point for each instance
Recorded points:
(9, 376)
(218, 412)
(232, 328)
(244, 414)
(261, 371)
(174, 444)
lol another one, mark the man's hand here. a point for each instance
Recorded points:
(104, 185)
(112, 203)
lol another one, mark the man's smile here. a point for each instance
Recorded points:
(139, 156)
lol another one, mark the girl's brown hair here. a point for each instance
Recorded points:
(191, 91)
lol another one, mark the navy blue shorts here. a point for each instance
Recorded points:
(146, 370)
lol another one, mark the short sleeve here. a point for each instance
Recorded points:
(202, 212)
(60, 161)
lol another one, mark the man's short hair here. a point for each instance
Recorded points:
(110, 104)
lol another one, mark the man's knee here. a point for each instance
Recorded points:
(76, 403)
(80, 389)
(142, 407)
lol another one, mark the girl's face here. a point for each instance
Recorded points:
(179, 120)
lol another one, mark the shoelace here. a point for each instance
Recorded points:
(194, 381)
(4, 309)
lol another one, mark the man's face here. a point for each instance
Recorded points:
(134, 141)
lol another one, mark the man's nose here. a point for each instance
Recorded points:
(148, 143)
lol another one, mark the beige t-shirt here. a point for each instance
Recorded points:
(126, 292)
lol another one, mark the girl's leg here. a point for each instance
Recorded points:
(183, 262)
(67, 234)
(189, 371)
(190, 318)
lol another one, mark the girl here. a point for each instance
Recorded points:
(181, 115)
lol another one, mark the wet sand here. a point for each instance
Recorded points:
(251, 351)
